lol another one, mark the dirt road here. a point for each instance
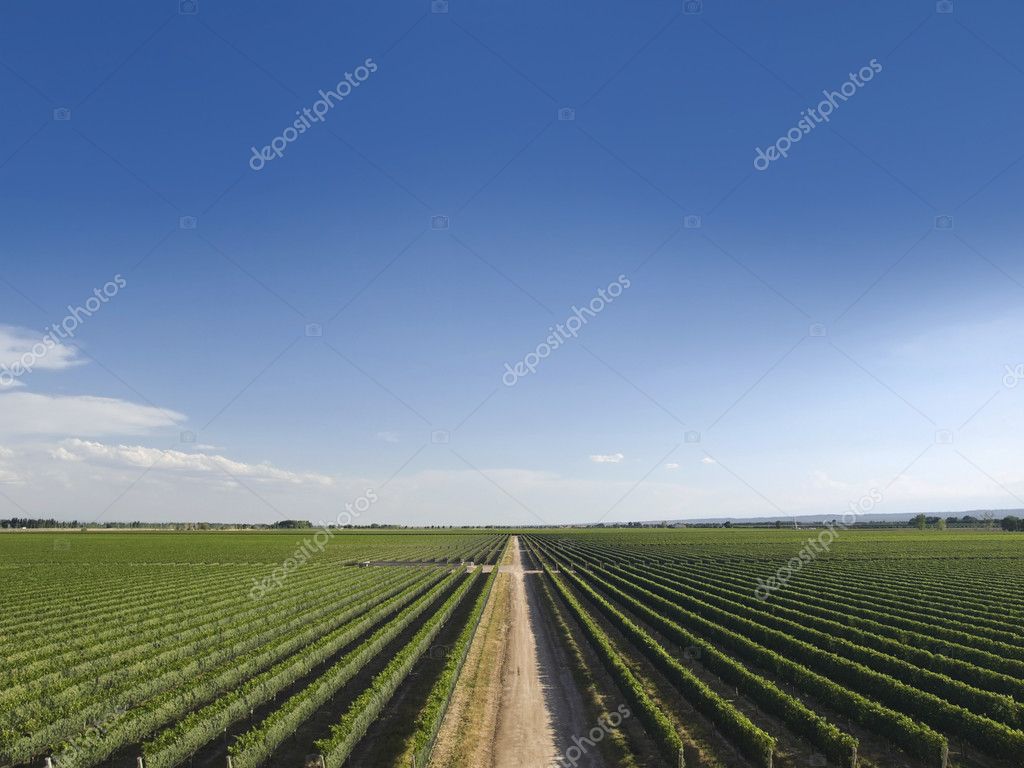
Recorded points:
(539, 709)
(525, 735)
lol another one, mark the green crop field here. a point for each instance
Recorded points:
(160, 645)
(743, 647)
(884, 647)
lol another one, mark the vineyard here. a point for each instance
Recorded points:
(156, 647)
(245, 649)
(891, 648)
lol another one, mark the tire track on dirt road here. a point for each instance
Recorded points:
(524, 709)
(541, 709)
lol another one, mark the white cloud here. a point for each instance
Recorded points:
(708, 460)
(27, 413)
(607, 458)
(822, 480)
(79, 478)
(7, 474)
(17, 343)
(178, 461)
(388, 437)
(672, 465)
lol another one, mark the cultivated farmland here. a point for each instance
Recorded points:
(886, 648)
(715, 648)
(189, 648)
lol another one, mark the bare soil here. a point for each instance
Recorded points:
(531, 708)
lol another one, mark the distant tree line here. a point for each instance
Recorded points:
(988, 520)
(19, 522)
(922, 522)
(31, 522)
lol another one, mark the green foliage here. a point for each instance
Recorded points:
(136, 631)
(257, 744)
(751, 740)
(187, 736)
(657, 722)
(839, 747)
(428, 721)
(371, 702)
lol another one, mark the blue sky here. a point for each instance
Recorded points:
(790, 340)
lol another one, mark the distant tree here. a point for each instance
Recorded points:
(918, 521)
(941, 525)
(1012, 523)
(778, 523)
(727, 524)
